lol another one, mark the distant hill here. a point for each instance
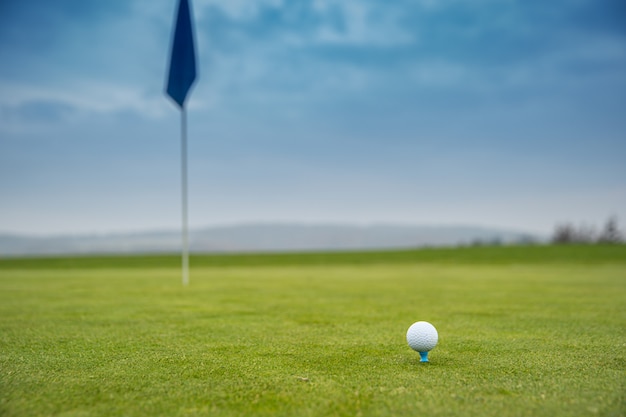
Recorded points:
(262, 238)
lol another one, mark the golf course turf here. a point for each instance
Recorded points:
(523, 331)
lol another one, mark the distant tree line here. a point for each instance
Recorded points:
(568, 233)
(498, 241)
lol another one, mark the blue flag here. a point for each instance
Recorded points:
(182, 72)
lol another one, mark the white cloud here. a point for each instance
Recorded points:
(235, 9)
(75, 100)
(438, 73)
(365, 24)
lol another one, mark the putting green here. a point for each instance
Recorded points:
(298, 338)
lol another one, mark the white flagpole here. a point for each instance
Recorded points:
(181, 76)
(185, 236)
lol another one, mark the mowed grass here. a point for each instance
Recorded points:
(297, 335)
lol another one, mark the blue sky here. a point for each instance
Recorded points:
(505, 113)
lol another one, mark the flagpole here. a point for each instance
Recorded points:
(185, 228)
(181, 76)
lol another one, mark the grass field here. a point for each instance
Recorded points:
(523, 331)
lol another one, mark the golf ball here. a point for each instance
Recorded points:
(422, 336)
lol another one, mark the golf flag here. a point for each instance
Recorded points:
(182, 71)
(182, 74)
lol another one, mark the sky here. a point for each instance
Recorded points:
(497, 113)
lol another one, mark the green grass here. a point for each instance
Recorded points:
(593, 254)
(524, 331)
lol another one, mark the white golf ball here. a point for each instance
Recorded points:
(422, 336)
